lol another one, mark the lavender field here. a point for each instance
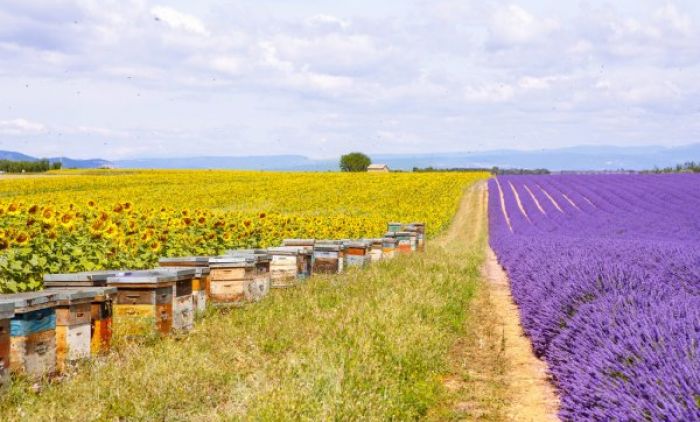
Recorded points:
(606, 272)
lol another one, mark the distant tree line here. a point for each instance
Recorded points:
(493, 170)
(688, 167)
(38, 166)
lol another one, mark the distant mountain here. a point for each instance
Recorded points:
(585, 157)
(15, 156)
(66, 162)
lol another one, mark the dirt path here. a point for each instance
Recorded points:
(494, 374)
(532, 396)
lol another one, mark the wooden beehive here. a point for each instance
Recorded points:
(183, 302)
(262, 281)
(232, 280)
(144, 303)
(357, 253)
(375, 250)
(200, 286)
(73, 328)
(420, 230)
(32, 333)
(388, 246)
(284, 266)
(394, 227)
(7, 311)
(100, 307)
(404, 242)
(328, 259)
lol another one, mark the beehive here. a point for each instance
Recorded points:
(328, 259)
(394, 227)
(201, 280)
(233, 280)
(413, 235)
(183, 302)
(307, 248)
(420, 230)
(200, 286)
(290, 263)
(284, 267)
(376, 249)
(32, 333)
(7, 311)
(357, 253)
(262, 281)
(404, 242)
(73, 329)
(144, 303)
(388, 246)
(101, 306)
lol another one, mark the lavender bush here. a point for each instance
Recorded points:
(606, 272)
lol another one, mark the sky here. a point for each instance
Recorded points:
(120, 79)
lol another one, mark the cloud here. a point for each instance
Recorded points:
(512, 25)
(179, 20)
(205, 77)
(21, 127)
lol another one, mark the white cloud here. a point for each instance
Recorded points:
(21, 127)
(179, 20)
(513, 24)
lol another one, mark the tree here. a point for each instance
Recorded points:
(355, 161)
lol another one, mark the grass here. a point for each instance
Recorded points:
(374, 344)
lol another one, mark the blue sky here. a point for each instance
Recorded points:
(134, 78)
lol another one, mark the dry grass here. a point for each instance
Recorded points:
(372, 344)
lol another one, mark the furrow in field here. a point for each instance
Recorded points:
(573, 204)
(551, 199)
(534, 199)
(520, 204)
(503, 204)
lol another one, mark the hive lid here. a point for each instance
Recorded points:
(198, 271)
(259, 255)
(86, 277)
(29, 301)
(231, 261)
(154, 277)
(298, 242)
(356, 244)
(185, 261)
(327, 248)
(71, 296)
(7, 310)
(292, 249)
(97, 291)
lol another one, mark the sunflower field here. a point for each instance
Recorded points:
(108, 219)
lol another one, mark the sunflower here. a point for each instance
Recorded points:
(13, 208)
(22, 238)
(91, 204)
(33, 209)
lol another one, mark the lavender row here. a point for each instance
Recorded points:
(606, 273)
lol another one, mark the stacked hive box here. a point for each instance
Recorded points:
(388, 247)
(7, 311)
(328, 258)
(200, 282)
(32, 333)
(100, 307)
(262, 280)
(404, 242)
(144, 304)
(375, 251)
(357, 254)
(288, 263)
(183, 302)
(394, 227)
(236, 279)
(72, 326)
(306, 250)
(420, 231)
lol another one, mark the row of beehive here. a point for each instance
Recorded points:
(73, 318)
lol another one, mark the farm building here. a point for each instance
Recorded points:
(378, 168)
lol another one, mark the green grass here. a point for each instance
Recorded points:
(371, 344)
